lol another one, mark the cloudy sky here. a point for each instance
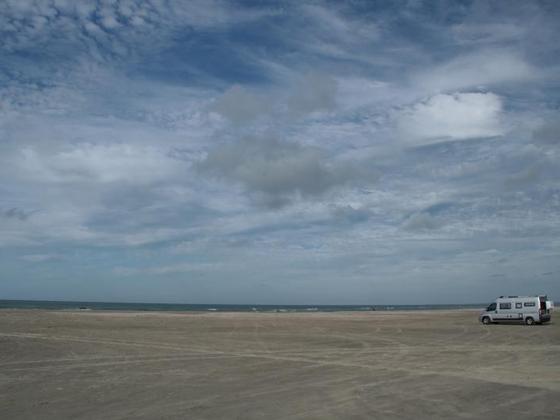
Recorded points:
(279, 152)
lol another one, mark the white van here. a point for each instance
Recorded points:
(528, 309)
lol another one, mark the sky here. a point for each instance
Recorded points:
(286, 152)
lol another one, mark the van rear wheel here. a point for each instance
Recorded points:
(529, 321)
(486, 320)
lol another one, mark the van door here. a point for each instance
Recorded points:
(491, 311)
(531, 308)
(545, 306)
(504, 311)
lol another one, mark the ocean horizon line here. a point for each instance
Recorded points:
(223, 307)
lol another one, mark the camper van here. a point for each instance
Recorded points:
(528, 309)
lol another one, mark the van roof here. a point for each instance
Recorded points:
(522, 297)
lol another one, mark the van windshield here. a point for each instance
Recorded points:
(492, 307)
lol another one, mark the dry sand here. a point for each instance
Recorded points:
(440, 364)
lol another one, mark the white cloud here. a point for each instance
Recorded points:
(330, 33)
(188, 267)
(451, 117)
(549, 131)
(484, 33)
(482, 68)
(355, 92)
(421, 222)
(100, 163)
(523, 179)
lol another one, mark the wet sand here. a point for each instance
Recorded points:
(421, 365)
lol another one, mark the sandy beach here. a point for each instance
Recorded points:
(421, 365)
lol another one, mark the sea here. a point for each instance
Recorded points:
(187, 307)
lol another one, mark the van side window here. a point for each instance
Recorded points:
(528, 304)
(492, 307)
(518, 305)
(505, 305)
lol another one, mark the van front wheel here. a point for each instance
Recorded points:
(486, 320)
(529, 321)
